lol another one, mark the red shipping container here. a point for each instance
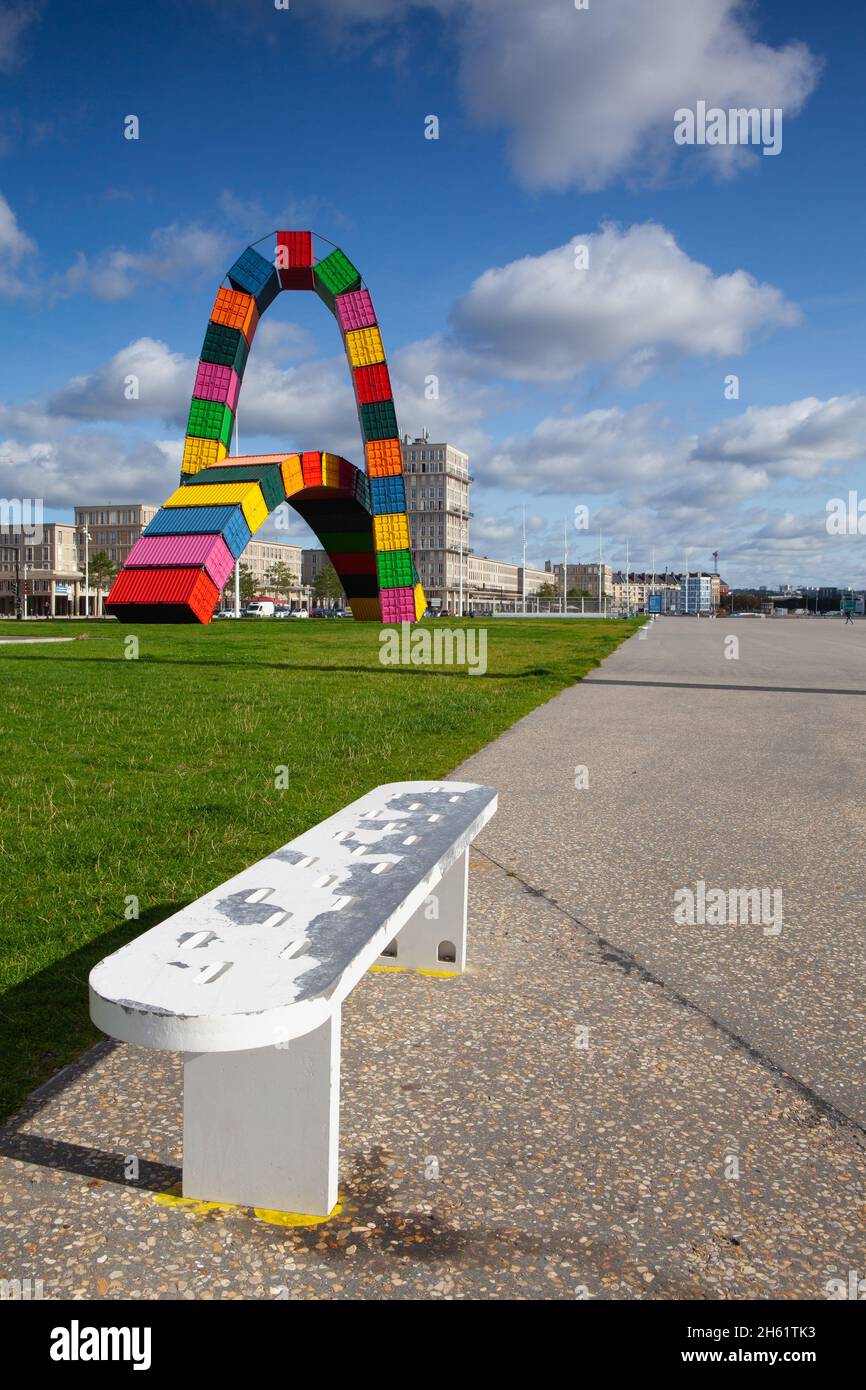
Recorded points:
(295, 260)
(170, 595)
(311, 465)
(372, 384)
(172, 552)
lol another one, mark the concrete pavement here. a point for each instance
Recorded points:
(741, 771)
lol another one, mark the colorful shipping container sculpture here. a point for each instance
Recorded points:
(185, 556)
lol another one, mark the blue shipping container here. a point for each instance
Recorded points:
(228, 522)
(387, 495)
(256, 276)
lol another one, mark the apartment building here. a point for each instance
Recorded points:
(260, 557)
(113, 530)
(632, 592)
(43, 571)
(312, 564)
(696, 593)
(437, 481)
(584, 578)
(491, 580)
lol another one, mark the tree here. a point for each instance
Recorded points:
(281, 580)
(101, 573)
(548, 591)
(745, 602)
(328, 584)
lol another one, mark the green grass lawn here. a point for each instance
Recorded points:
(156, 777)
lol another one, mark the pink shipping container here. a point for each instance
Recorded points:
(216, 383)
(398, 605)
(174, 551)
(355, 310)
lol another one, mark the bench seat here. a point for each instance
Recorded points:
(247, 982)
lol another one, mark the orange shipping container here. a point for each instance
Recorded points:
(235, 309)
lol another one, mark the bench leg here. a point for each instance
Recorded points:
(434, 938)
(261, 1127)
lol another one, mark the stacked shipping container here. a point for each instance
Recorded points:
(359, 518)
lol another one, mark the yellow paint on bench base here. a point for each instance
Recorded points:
(175, 1198)
(408, 969)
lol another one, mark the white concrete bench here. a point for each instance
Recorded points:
(247, 983)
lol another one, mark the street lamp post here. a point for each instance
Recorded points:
(523, 584)
(564, 567)
(87, 539)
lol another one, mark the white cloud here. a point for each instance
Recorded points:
(641, 302)
(593, 453)
(796, 440)
(15, 244)
(165, 382)
(589, 96)
(612, 450)
(172, 252)
(72, 469)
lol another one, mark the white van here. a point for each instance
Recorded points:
(264, 608)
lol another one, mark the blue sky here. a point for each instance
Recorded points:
(601, 387)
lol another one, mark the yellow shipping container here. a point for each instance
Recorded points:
(249, 495)
(201, 453)
(366, 609)
(330, 470)
(391, 531)
(420, 602)
(293, 474)
(364, 346)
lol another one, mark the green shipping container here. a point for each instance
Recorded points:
(224, 345)
(210, 420)
(395, 569)
(335, 275)
(269, 478)
(378, 421)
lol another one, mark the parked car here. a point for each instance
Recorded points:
(300, 613)
(227, 613)
(282, 611)
(262, 608)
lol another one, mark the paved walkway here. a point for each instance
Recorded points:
(619, 1106)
